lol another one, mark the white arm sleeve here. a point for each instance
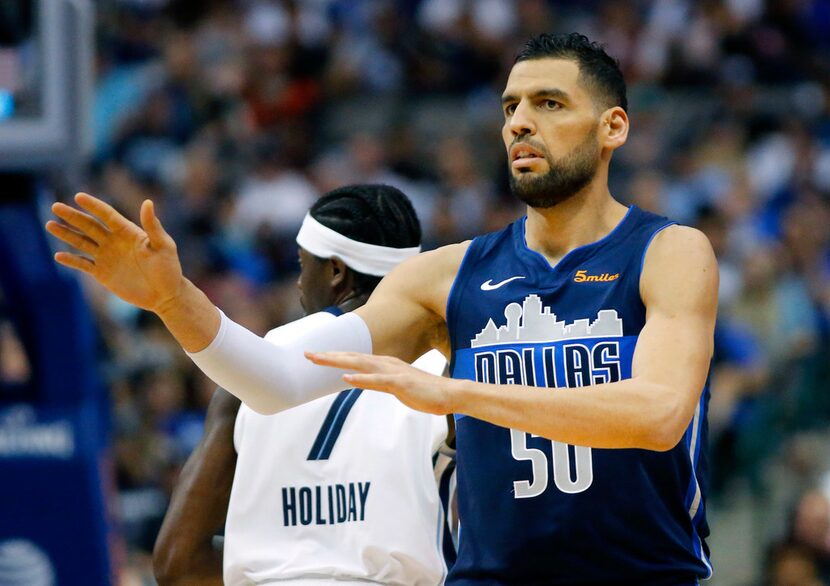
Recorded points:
(270, 375)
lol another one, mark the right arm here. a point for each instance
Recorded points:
(184, 552)
(404, 316)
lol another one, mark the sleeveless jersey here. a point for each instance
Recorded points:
(534, 511)
(349, 487)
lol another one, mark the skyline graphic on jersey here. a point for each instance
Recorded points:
(532, 322)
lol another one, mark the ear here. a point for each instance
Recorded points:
(339, 273)
(614, 128)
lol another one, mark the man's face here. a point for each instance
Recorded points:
(550, 131)
(314, 282)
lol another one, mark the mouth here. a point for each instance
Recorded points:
(523, 155)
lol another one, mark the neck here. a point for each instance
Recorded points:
(351, 300)
(588, 216)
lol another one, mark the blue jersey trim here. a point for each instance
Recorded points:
(445, 543)
(648, 243)
(692, 436)
(333, 309)
(693, 446)
(452, 314)
(608, 236)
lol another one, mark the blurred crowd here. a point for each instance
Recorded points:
(234, 116)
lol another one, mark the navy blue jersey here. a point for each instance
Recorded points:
(534, 511)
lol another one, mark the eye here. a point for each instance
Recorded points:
(551, 105)
(509, 109)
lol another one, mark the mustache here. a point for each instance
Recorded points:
(523, 139)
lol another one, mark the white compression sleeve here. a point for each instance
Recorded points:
(272, 374)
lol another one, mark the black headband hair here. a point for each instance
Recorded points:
(371, 228)
(372, 213)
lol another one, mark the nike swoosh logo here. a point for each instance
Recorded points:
(488, 285)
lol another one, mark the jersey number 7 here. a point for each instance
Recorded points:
(333, 424)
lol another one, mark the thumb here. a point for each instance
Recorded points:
(159, 238)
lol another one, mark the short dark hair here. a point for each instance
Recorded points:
(598, 70)
(371, 213)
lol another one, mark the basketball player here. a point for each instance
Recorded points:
(342, 487)
(595, 482)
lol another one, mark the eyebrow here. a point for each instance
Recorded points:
(542, 93)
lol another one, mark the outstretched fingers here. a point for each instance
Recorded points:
(379, 373)
(72, 237)
(387, 383)
(152, 226)
(75, 261)
(103, 211)
(83, 223)
(349, 360)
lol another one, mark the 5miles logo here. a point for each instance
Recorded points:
(582, 276)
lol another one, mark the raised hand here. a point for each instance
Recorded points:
(138, 264)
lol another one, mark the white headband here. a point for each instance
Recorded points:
(370, 259)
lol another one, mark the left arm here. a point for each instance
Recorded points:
(184, 553)
(651, 410)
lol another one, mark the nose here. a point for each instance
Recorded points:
(522, 122)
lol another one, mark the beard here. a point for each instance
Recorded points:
(565, 177)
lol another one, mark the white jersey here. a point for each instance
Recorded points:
(342, 488)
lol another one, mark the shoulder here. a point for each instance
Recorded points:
(444, 262)
(423, 281)
(679, 263)
(432, 267)
(444, 258)
(679, 243)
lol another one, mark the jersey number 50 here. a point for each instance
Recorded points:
(538, 483)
